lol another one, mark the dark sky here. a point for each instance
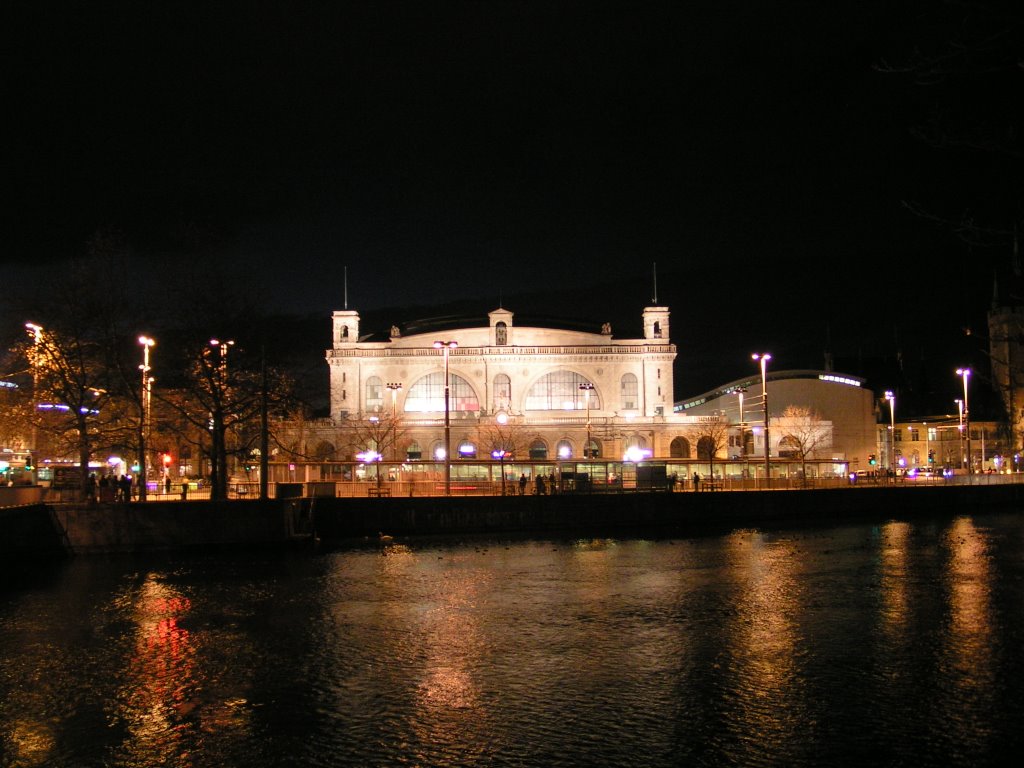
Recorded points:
(452, 150)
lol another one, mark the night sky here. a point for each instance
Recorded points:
(447, 151)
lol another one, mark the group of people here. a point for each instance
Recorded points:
(541, 486)
(110, 487)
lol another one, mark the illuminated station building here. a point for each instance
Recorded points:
(556, 394)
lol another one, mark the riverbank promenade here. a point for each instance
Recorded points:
(57, 530)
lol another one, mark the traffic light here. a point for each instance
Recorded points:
(931, 457)
(872, 460)
(28, 464)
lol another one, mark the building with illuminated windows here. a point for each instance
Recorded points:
(541, 393)
(843, 405)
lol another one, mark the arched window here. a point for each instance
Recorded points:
(592, 450)
(538, 449)
(427, 394)
(344, 331)
(467, 450)
(374, 394)
(501, 333)
(628, 390)
(559, 391)
(680, 448)
(502, 391)
(789, 447)
(413, 452)
(563, 450)
(705, 448)
(657, 329)
(324, 452)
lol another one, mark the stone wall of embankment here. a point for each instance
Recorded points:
(42, 530)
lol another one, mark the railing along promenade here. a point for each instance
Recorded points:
(425, 487)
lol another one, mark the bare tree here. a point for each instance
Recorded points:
(711, 436)
(804, 433)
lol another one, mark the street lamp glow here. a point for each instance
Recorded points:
(763, 358)
(587, 388)
(144, 406)
(892, 435)
(965, 373)
(446, 347)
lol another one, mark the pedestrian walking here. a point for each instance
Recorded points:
(540, 485)
(522, 484)
(696, 481)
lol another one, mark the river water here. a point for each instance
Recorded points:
(894, 644)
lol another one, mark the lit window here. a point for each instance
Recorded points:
(427, 394)
(502, 391)
(374, 394)
(558, 390)
(629, 391)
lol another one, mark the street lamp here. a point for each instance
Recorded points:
(393, 388)
(587, 388)
(145, 395)
(500, 455)
(960, 428)
(964, 373)
(764, 357)
(370, 456)
(743, 432)
(223, 355)
(36, 332)
(446, 347)
(892, 434)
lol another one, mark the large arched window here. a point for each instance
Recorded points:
(374, 394)
(427, 394)
(538, 449)
(502, 391)
(680, 448)
(324, 451)
(560, 391)
(628, 391)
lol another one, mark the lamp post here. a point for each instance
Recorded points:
(743, 443)
(960, 428)
(964, 373)
(219, 458)
(144, 395)
(500, 454)
(393, 387)
(764, 357)
(927, 446)
(36, 332)
(587, 388)
(892, 431)
(446, 347)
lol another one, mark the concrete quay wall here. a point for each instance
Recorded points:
(44, 531)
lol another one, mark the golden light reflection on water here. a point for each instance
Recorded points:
(762, 640)
(894, 578)
(969, 576)
(32, 743)
(442, 651)
(160, 691)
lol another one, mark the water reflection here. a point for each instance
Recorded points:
(159, 692)
(894, 579)
(896, 645)
(969, 660)
(761, 645)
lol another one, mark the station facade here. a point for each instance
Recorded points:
(540, 393)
